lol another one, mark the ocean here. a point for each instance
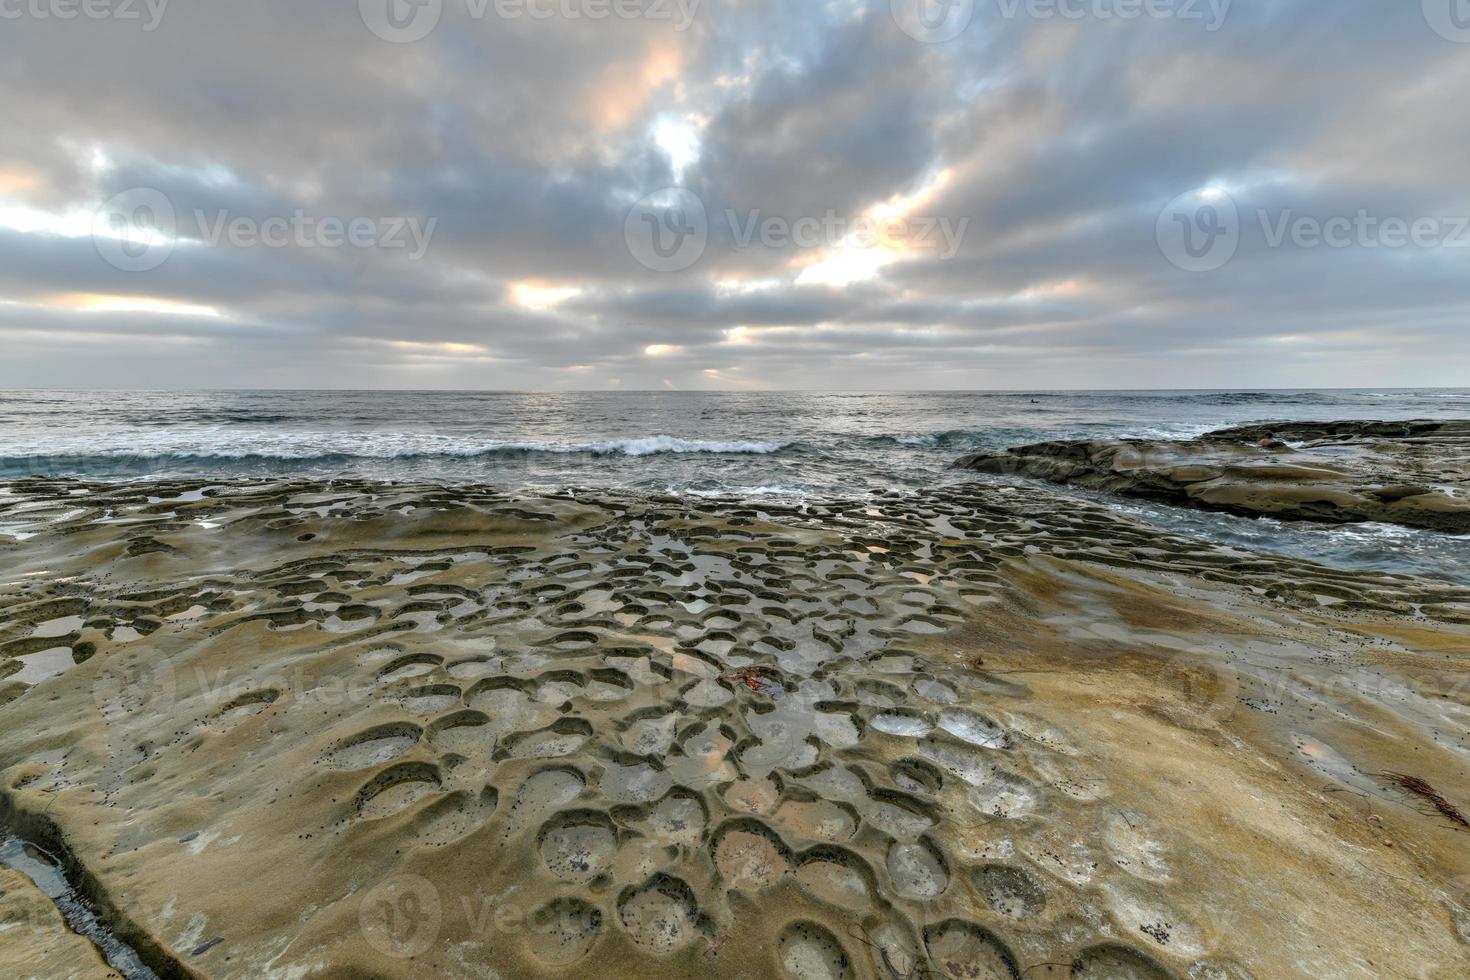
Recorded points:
(700, 444)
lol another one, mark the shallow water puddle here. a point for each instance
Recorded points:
(58, 627)
(40, 666)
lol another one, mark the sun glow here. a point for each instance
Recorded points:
(534, 294)
(897, 234)
(99, 303)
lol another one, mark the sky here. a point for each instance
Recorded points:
(734, 194)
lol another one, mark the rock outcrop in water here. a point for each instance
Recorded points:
(1414, 473)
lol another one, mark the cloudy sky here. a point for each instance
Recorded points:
(641, 194)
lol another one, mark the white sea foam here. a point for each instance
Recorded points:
(765, 490)
(227, 445)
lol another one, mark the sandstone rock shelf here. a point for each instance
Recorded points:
(1414, 473)
(357, 729)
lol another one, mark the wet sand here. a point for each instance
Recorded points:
(358, 729)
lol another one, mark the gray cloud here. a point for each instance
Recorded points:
(527, 141)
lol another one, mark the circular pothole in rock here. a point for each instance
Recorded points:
(1005, 795)
(1113, 962)
(543, 793)
(413, 665)
(899, 815)
(464, 732)
(373, 747)
(750, 856)
(397, 788)
(431, 699)
(561, 738)
(904, 724)
(661, 915)
(975, 729)
(816, 820)
(918, 870)
(678, 819)
(637, 783)
(917, 776)
(474, 669)
(563, 931)
(1010, 891)
(456, 816)
(836, 877)
(878, 694)
(964, 950)
(810, 952)
(578, 845)
(245, 707)
(936, 691)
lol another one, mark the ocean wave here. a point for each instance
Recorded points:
(334, 451)
(947, 439)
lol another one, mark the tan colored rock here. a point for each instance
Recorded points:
(463, 733)
(35, 943)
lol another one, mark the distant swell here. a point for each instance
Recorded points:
(299, 455)
(958, 439)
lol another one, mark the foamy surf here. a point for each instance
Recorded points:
(347, 446)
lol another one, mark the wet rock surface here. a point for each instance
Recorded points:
(1415, 474)
(348, 729)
